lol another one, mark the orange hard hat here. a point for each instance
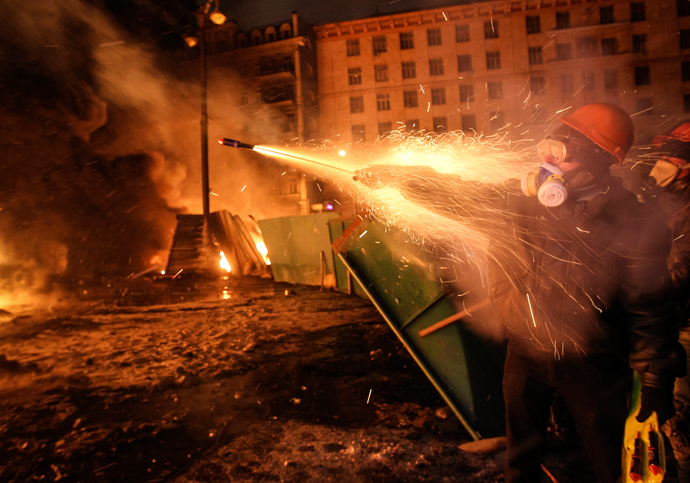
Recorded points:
(609, 127)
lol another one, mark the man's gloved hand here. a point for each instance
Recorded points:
(377, 174)
(656, 399)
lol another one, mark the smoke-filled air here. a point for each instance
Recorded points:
(101, 148)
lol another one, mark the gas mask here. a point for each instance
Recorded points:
(547, 184)
(667, 170)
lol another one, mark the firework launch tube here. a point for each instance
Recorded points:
(234, 143)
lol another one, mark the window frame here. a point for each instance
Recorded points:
(533, 24)
(438, 96)
(356, 104)
(410, 95)
(379, 44)
(493, 60)
(535, 55)
(381, 73)
(433, 37)
(354, 76)
(462, 33)
(353, 48)
(406, 40)
(436, 67)
(494, 90)
(491, 29)
(383, 102)
(466, 92)
(409, 70)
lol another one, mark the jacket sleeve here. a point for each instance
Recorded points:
(652, 322)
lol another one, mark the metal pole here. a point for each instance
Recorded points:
(204, 117)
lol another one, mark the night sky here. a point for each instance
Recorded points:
(258, 13)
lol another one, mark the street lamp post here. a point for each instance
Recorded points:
(217, 17)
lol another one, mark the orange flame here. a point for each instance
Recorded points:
(224, 264)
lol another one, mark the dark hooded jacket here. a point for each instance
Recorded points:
(674, 205)
(583, 279)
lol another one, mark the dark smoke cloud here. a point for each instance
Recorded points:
(99, 146)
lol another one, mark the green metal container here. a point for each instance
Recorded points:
(399, 278)
(299, 247)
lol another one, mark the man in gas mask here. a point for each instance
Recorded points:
(581, 288)
(670, 196)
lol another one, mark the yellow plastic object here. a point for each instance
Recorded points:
(642, 461)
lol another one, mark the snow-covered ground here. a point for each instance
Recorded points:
(222, 381)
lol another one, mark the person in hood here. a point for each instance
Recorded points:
(669, 180)
(578, 277)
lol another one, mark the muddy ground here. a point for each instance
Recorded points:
(186, 381)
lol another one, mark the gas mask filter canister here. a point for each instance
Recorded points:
(546, 184)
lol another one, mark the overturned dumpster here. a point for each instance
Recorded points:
(398, 276)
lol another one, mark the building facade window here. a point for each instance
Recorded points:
(469, 122)
(685, 68)
(683, 9)
(406, 40)
(493, 60)
(645, 105)
(409, 70)
(643, 75)
(495, 90)
(684, 38)
(356, 104)
(535, 55)
(352, 47)
(606, 15)
(562, 20)
(640, 44)
(354, 76)
(383, 102)
(440, 124)
(567, 84)
(433, 37)
(381, 72)
(380, 44)
(564, 51)
(498, 121)
(462, 33)
(491, 29)
(588, 81)
(385, 128)
(467, 93)
(465, 63)
(533, 24)
(610, 78)
(358, 133)
(410, 99)
(537, 85)
(609, 46)
(436, 66)
(586, 47)
(686, 103)
(438, 96)
(637, 12)
(412, 125)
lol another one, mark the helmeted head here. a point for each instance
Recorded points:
(675, 151)
(577, 155)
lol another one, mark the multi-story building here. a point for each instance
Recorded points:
(495, 65)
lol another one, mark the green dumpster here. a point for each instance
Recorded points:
(299, 247)
(399, 277)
